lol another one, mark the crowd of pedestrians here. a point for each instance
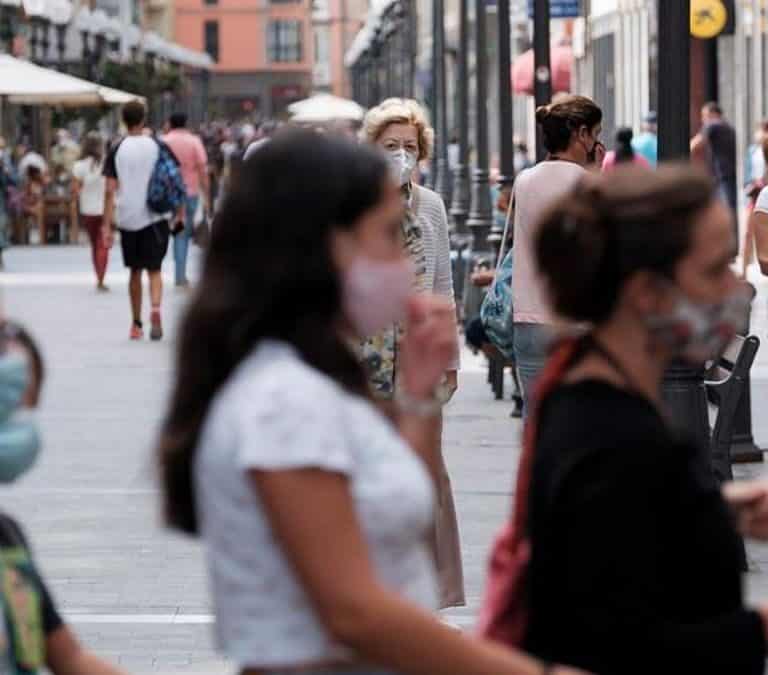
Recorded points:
(303, 437)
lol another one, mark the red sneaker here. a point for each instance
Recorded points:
(137, 332)
(156, 332)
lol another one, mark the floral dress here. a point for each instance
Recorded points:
(378, 353)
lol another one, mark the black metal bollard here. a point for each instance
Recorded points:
(743, 447)
(685, 394)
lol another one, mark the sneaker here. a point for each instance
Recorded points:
(156, 332)
(137, 332)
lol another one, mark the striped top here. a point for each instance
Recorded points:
(437, 278)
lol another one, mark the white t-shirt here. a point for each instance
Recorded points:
(132, 163)
(535, 190)
(277, 413)
(762, 201)
(88, 172)
(32, 158)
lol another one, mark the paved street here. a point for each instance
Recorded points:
(133, 591)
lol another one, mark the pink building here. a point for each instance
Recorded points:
(263, 49)
(336, 22)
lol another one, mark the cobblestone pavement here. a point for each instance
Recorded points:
(134, 592)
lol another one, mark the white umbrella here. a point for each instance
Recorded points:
(325, 108)
(25, 83)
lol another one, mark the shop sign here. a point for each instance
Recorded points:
(709, 18)
(560, 9)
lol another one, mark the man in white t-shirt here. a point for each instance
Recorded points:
(144, 235)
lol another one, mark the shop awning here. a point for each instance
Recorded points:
(26, 83)
(561, 63)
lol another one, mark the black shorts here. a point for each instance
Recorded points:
(145, 249)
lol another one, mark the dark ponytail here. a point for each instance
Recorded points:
(560, 120)
(613, 226)
(624, 150)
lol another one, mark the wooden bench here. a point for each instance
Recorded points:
(727, 390)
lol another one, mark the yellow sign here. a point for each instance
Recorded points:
(708, 18)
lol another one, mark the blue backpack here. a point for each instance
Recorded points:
(496, 312)
(166, 191)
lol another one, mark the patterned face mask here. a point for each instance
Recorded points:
(698, 332)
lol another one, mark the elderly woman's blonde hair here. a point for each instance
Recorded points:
(399, 111)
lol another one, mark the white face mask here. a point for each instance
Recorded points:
(402, 163)
(375, 294)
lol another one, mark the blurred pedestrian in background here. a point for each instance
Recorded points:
(33, 201)
(193, 160)
(270, 402)
(754, 189)
(89, 187)
(27, 157)
(65, 152)
(400, 129)
(635, 564)
(715, 146)
(144, 234)
(624, 152)
(35, 637)
(646, 143)
(266, 130)
(8, 182)
(571, 133)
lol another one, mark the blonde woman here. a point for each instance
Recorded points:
(399, 127)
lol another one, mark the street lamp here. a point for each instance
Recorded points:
(83, 23)
(113, 32)
(9, 11)
(132, 40)
(481, 213)
(542, 71)
(442, 179)
(461, 196)
(99, 28)
(34, 9)
(61, 15)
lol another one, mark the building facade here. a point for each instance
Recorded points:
(263, 52)
(335, 24)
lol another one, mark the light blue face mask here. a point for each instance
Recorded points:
(19, 445)
(14, 380)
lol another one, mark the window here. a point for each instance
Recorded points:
(211, 2)
(211, 39)
(284, 41)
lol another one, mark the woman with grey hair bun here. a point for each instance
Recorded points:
(399, 127)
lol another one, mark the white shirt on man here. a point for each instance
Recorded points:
(131, 162)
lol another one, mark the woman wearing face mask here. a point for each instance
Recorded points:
(313, 505)
(571, 131)
(635, 565)
(399, 128)
(33, 635)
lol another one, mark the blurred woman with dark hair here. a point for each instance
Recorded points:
(624, 152)
(635, 563)
(89, 184)
(313, 505)
(571, 132)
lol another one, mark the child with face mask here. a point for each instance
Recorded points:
(33, 635)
